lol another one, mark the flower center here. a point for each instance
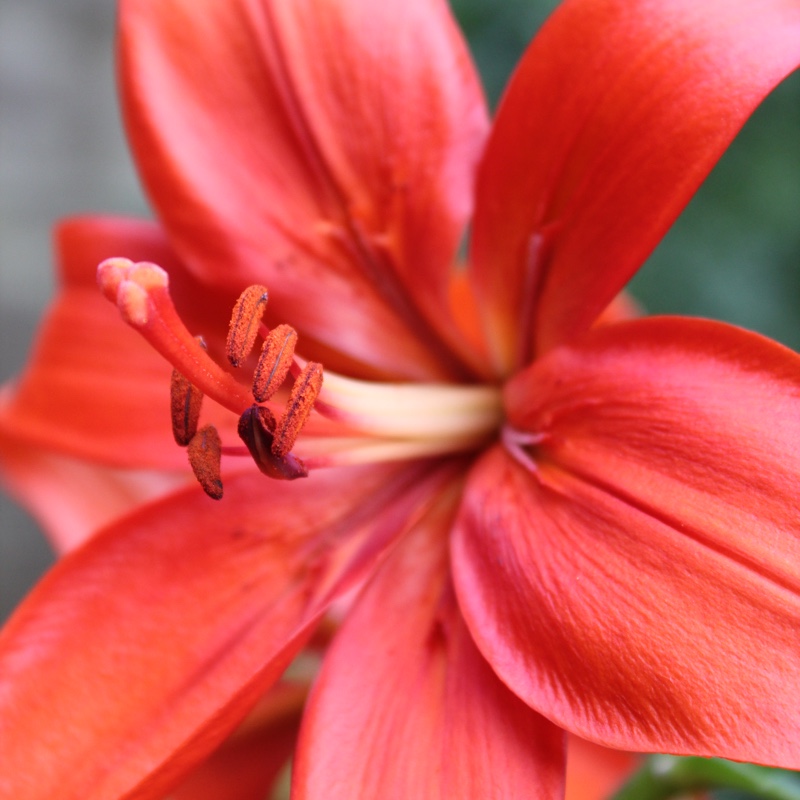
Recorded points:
(342, 420)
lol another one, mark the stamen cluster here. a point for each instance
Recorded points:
(141, 292)
(269, 441)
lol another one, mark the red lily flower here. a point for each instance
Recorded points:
(561, 526)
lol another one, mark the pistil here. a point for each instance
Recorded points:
(141, 293)
(412, 410)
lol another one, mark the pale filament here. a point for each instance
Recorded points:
(411, 410)
(516, 442)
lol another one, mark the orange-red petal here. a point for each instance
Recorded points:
(405, 706)
(141, 650)
(348, 131)
(616, 114)
(641, 586)
(71, 498)
(248, 764)
(595, 772)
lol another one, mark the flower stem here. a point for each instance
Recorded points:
(665, 776)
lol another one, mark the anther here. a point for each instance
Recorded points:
(185, 402)
(256, 428)
(301, 401)
(205, 453)
(245, 320)
(274, 362)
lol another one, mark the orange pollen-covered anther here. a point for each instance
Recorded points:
(245, 321)
(205, 454)
(185, 402)
(306, 387)
(275, 361)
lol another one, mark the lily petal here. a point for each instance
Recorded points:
(641, 585)
(72, 499)
(405, 706)
(246, 769)
(349, 133)
(614, 117)
(140, 651)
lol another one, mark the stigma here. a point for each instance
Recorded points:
(293, 416)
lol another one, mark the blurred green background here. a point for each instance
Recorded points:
(734, 255)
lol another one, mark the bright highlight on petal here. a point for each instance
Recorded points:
(353, 129)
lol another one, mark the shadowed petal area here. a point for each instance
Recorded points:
(642, 586)
(616, 114)
(326, 150)
(93, 388)
(244, 769)
(405, 706)
(249, 762)
(140, 651)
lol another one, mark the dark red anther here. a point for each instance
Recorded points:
(301, 401)
(255, 429)
(245, 320)
(205, 454)
(274, 362)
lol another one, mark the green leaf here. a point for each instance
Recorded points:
(664, 776)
